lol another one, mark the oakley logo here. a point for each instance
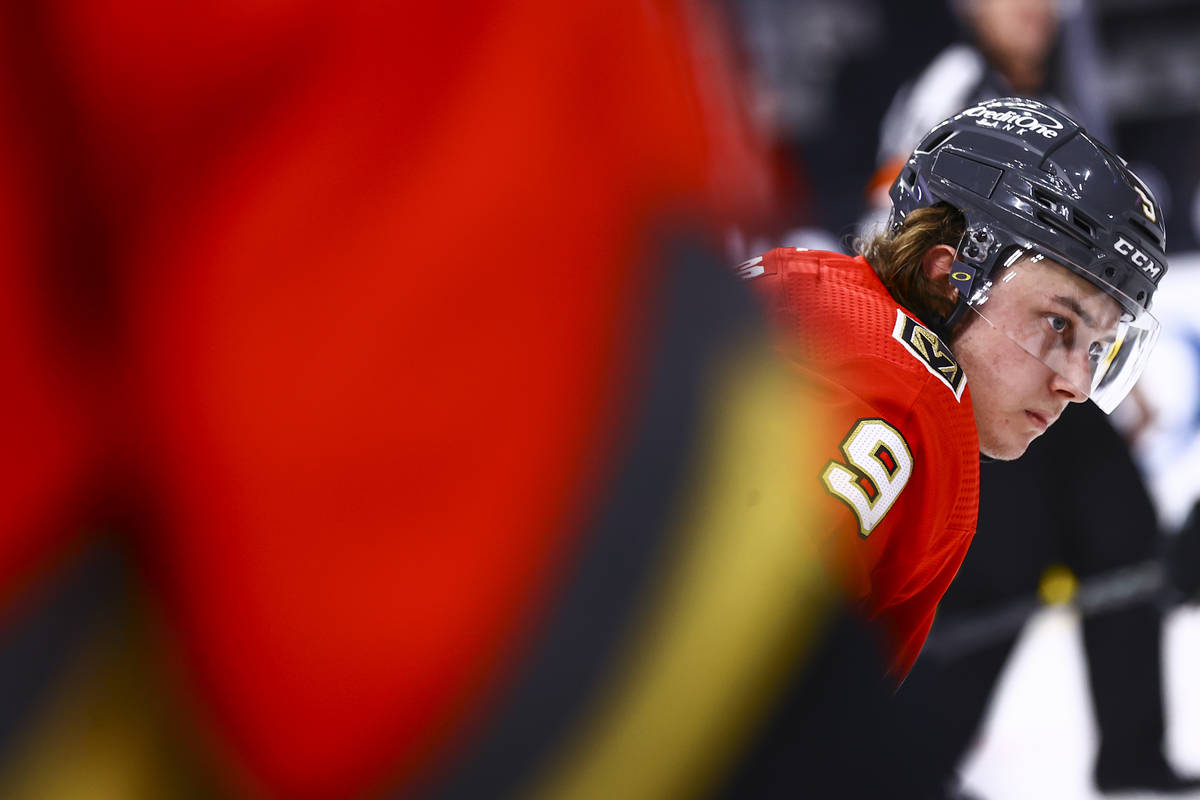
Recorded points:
(1139, 259)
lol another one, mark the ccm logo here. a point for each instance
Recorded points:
(1139, 259)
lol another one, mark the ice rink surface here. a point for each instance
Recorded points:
(1039, 739)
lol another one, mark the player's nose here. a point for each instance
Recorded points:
(1072, 380)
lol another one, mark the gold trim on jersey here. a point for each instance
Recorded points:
(931, 351)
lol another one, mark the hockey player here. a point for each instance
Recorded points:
(1015, 276)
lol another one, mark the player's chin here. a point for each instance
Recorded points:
(1002, 455)
(1006, 449)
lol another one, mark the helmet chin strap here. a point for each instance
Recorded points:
(962, 278)
(976, 249)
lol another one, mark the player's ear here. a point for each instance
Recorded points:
(936, 265)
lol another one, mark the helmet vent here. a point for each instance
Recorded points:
(1045, 200)
(1084, 224)
(1150, 235)
(1059, 224)
(934, 140)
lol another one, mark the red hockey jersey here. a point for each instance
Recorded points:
(900, 461)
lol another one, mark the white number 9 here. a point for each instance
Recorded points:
(880, 464)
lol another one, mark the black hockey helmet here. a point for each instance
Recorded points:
(1031, 182)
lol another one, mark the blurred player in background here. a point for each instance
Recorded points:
(993, 300)
(1008, 47)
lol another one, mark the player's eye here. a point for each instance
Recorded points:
(1058, 324)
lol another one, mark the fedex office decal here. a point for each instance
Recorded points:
(1019, 122)
(1139, 259)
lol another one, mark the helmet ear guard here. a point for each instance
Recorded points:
(963, 278)
(975, 262)
(1026, 177)
(975, 253)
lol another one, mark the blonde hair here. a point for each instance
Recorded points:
(896, 257)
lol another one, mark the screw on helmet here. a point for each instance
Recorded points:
(1026, 175)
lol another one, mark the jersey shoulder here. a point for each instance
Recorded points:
(833, 315)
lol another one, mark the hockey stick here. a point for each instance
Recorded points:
(1118, 588)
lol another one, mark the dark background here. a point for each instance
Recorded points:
(829, 68)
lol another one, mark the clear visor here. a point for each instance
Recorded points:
(1072, 325)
